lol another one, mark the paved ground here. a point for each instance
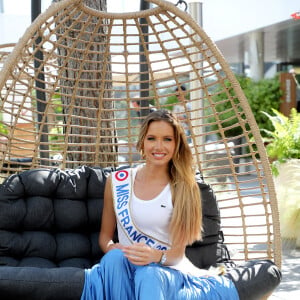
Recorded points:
(289, 289)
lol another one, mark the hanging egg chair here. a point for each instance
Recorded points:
(78, 83)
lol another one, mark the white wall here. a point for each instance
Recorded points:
(12, 27)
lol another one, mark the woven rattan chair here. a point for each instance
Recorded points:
(69, 91)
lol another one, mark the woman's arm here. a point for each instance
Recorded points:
(108, 224)
(142, 254)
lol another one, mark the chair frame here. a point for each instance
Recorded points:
(96, 124)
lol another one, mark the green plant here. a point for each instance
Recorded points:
(225, 109)
(3, 127)
(283, 142)
(171, 101)
(262, 95)
(56, 137)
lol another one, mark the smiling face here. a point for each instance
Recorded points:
(159, 143)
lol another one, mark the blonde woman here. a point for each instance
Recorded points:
(157, 210)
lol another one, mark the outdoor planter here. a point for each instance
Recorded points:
(283, 148)
(287, 185)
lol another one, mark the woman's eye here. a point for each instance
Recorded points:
(168, 139)
(150, 138)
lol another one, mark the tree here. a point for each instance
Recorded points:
(85, 69)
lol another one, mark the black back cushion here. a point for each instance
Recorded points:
(51, 218)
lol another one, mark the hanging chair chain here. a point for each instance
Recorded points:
(182, 2)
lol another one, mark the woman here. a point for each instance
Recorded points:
(157, 209)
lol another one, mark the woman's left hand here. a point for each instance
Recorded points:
(141, 254)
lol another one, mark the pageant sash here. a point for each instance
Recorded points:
(122, 189)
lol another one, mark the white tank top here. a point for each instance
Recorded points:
(152, 217)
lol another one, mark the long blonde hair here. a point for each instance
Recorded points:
(186, 221)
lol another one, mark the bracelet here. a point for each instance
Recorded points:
(163, 258)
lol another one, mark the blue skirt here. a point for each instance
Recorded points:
(115, 278)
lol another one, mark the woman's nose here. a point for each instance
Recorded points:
(158, 144)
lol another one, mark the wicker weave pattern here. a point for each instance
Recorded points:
(83, 69)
